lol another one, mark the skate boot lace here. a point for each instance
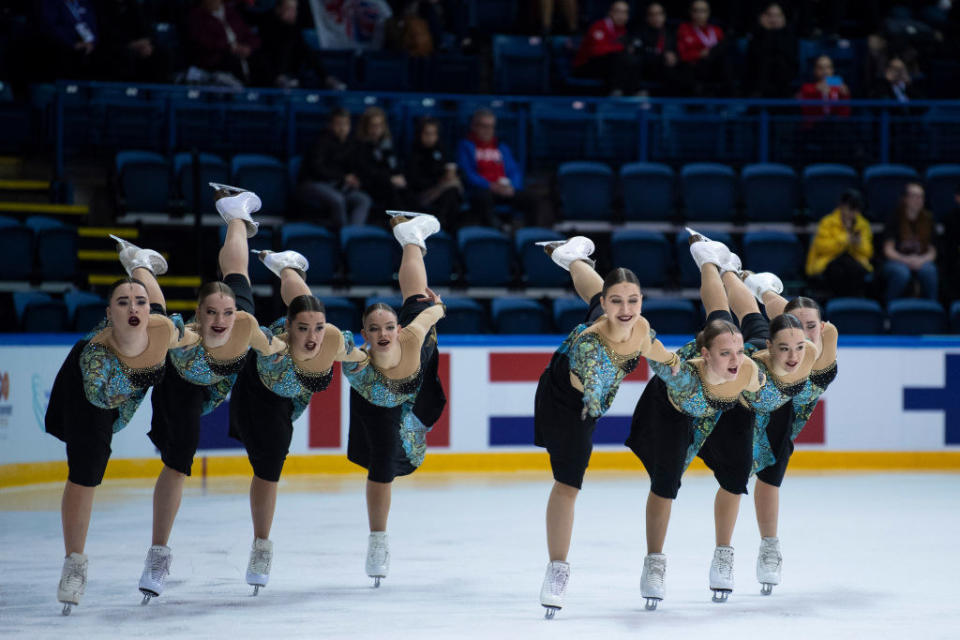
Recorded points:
(75, 578)
(159, 566)
(260, 560)
(724, 563)
(378, 552)
(558, 580)
(656, 569)
(770, 557)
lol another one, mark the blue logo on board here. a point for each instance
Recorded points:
(946, 399)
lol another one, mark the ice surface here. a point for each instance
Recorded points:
(865, 556)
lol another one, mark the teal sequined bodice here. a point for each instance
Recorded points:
(598, 367)
(374, 386)
(281, 375)
(197, 366)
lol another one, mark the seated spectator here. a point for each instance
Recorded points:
(407, 32)
(493, 176)
(704, 54)
(909, 247)
(222, 44)
(604, 55)
(69, 34)
(328, 177)
(841, 251)
(950, 248)
(825, 86)
(771, 55)
(432, 177)
(896, 84)
(377, 165)
(127, 50)
(658, 49)
(286, 61)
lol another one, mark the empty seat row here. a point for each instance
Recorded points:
(39, 312)
(770, 192)
(39, 246)
(906, 316)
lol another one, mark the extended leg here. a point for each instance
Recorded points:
(154, 293)
(235, 253)
(712, 292)
(413, 272)
(740, 298)
(586, 280)
(292, 285)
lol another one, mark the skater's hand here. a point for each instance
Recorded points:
(351, 181)
(431, 296)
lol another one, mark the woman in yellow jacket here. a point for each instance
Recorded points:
(841, 251)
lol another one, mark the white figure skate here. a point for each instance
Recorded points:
(73, 581)
(566, 252)
(769, 562)
(554, 587)
(258, 569)
(156, 568)
(651, 580)
(378, 556)
(721, 573)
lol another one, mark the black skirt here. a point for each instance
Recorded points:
(781, 444)
(728, 450)
(660, 436)
(86, 429)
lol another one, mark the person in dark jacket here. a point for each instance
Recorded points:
(286, 61)
(432, 177)
(328, 176)
(68, 37)
(771, 55)
(657, 47)
(127, 51)
(221, 40)
(377, 164)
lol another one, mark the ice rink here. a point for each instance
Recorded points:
(865, 556)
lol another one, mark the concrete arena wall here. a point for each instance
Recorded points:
(895, 405)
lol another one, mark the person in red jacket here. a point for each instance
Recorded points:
(221, 41)
(703, 51)
(826, 86)
(604, 55)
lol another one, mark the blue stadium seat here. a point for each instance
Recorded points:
(213, 168)
(671, 315)
(440, 257)
(776, 251)
(709, 191)
(340, 63)
(342, 314)
(519, 316)
(455, 71)
(144, 180)
(586, 190)
(562, 131)
(941, 182)
(955, 316)
(132, 117)
(823, 184)
(385, 71)
(487, 256)
(492, 16)
(853, 316)
(465, 316)
(618, 132)
(370, 253)
(648, 191)
(689, 274)
(883, 185)
(56, 247)
(536, 267)
(568, 313)
(563, 49)
(769, 192)
(646, 253)
(319, 246)
(293, 172)
(39, 313)
(16, 250)
(915, 316)
(520, 64)
(84, 309)
(263, 241)
(264, 175)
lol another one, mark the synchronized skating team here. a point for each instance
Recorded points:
(736, 396)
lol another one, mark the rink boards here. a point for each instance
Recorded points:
(894, 405)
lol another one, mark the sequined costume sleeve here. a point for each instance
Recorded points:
(824, 372)
(686, 379)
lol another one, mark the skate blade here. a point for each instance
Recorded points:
(550, 612)
(550, 243)
(393, 213)
(651, 604)
(696, 236)
(228, 188)
(67, 607)
(721, 595)
(256, 589)
(376, 581)
(766, 589)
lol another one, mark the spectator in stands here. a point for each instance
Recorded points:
(570, 14)
(406, 31)
(909, 246)
(704, 54)
(127, 50)
(826, 86)
(328, 177)
(604, 54)
(433, 178)
(69, 34)
(377, 164)
(221, 43)
(493, 175)
(658, 49)
(841, 251)
(896, 83)
(950, 248)
(771, 55)
(286, 61)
